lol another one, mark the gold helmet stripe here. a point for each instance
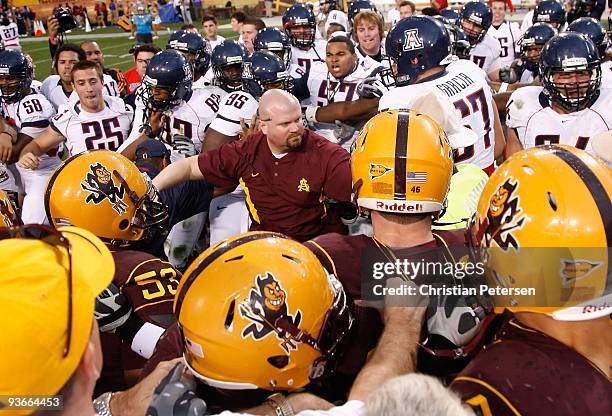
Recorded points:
(401, 149)
(220, 250)
(593, 184)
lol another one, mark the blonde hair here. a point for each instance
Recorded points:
(368, 16)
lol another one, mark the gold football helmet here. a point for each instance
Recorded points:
(402, 163)
(105, 193)
(259, 311)
(8, 216)
(546, 221)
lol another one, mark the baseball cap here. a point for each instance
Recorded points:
(35, 299)
(151, 148)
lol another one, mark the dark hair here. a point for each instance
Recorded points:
(154, 49)
(343, 39)
(188, 26)
(412, 5)
(430, 11)
(83, 65)
(239, 16)
(68, 47)
(208, 17)
(258, 23)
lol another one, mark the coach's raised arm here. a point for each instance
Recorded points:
(287, 171)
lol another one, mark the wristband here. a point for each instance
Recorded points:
(280, 404)
(311, 114)
(10, 135)
(102, 404)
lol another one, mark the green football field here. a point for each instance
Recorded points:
(115, 48)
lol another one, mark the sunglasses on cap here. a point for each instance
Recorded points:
(53, 237)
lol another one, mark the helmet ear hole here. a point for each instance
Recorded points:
(552, 201)
(124, 224)
(279, 361)
(229, 318)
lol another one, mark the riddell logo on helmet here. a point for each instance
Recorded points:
(398, 207)
(595, 308)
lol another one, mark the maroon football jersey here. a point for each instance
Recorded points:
(524, 372)
(284, 195)
(342, 256)
(149, 284)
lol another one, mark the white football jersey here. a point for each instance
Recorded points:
(215, 42)
(304, 58)
(486, 54)
(325, 88)
(466, 87)
(526, 77)
(31, 116)
(235, 106)
(83, 131)
(508, 35)
(36, 84)
(10, 36)
(606, 74)
(536, 123)
(527, 21)
(52, 89)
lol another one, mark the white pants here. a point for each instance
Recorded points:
(229, 216)
(34, 185)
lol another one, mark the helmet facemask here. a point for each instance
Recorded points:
(14, 87)
(572, 96)
(150, 214)
(303, 37)
(229, 76)
(474, 35)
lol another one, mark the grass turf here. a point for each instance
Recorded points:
(115, 49)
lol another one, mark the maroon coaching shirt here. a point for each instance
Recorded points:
(284, 195)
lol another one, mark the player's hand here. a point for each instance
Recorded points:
(6, 147)
(371, 87)
(452, 318)
(53, 26)
(29, 161)
(156, 121)
(184, 145)
(250, 129)
(112, 309)
(175, 396)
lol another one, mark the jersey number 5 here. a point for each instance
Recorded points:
(103, 135)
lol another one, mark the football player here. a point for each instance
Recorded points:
(507, 33)
(59, 89)
(476, 19)
(195, 49)
(94, 53)
(129, 215)
(226, 63)
(169, 109)
(552, 196)
(30, 113)
(570, 107)
(419, 49)
(356, 7)
(274, 40)
(325, 7)
(300, 25)
(551, 12)
(593, 29)
(401, 172)
(95, 121)
(334, 80)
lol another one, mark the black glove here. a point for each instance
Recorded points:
(112, 309)
(175, 396)
(346, 210)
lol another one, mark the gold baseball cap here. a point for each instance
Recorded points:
(42, 339)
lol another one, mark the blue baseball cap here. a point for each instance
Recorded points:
(150, 148)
